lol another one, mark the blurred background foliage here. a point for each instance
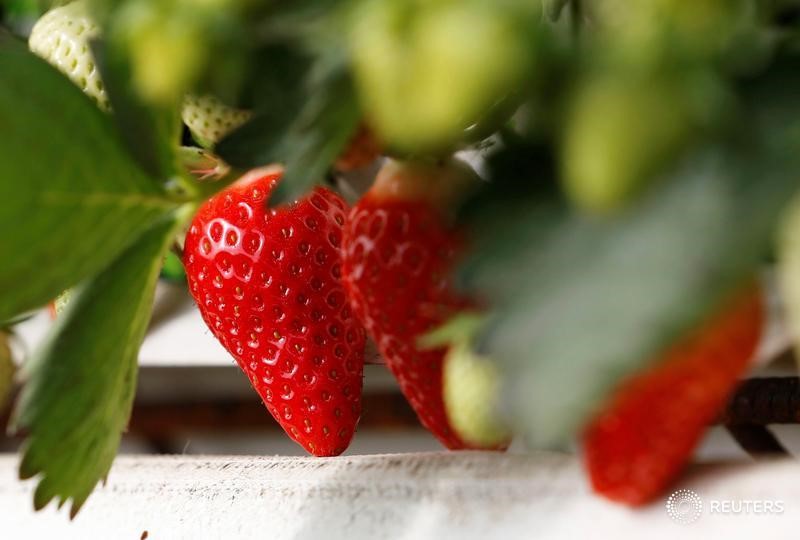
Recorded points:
(642, 154)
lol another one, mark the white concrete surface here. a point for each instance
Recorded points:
(413, 496)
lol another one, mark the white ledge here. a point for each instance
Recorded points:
(459, 495)
(177, 335)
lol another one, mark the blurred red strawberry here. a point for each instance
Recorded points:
(642, 439)
(399, 251)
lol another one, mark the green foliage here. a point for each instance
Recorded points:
(599, 298)
(80, 383)
(307, 139)
(173, 268)
(151, 133)
(72, 198)
(21, 14)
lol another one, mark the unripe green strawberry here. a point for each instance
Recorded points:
(471, 392)
(167, 43)
(62, 37)
(645, 31)
(209, 119)
(618, 132)
(427, 71)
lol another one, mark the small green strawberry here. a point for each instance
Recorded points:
(619, 131)
(428, 71)
(471, 392)
(62, 38)
(210, 120)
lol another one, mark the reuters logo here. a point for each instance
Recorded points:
(684, 506)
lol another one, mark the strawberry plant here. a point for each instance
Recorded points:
(638, 167)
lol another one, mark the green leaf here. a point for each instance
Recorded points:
(582, 303)
(276, 103)
(553, 8)
(80, 383)
(311, 140)
(71, 199)
(319, 135)
(152, 134)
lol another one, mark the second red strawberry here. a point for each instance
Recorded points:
(399, 252)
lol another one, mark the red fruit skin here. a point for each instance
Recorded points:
(644, 437)
(268, 285)
(362, 150)
(398, 258)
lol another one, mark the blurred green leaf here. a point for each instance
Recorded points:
(581, 303)
(152, 134)
(309, 140)
(277, 95)
(553, 8)
(20, 15)
(598, 299)
(276, 103)
(321, 132)
(71, 199)
(80, 383)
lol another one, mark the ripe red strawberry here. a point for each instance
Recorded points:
(399, 251)
(268, 285)
(646, 434)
